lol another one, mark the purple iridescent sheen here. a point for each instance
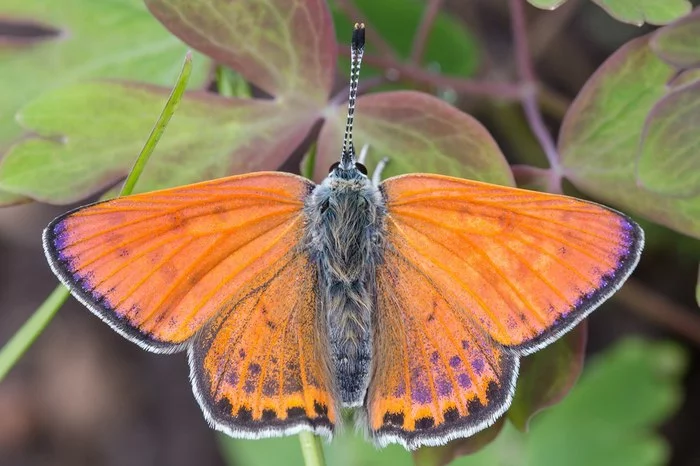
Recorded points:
(420, 393)
(478, 365)
(444, 387)
(464, 381)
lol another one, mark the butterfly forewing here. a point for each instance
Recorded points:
(157, 266)
(525, 266)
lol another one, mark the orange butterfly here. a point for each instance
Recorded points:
(412, 299)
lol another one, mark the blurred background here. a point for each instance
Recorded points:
(82, 395)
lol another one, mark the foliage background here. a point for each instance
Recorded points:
(83, 395)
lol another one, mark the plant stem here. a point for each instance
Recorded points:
(529, 93)
(21, 341)
(400, 71)
(426, 25)
(32, 328)
(311, 449)
(159, 128)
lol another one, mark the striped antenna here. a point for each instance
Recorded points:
(357, 48)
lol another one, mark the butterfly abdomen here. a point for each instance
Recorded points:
(345, 237)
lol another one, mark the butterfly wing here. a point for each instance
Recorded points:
(258, 369)
(437, 374)
(157, 266)
(526, 265)
(502, 272)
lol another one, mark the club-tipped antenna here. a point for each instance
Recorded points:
(357, 48)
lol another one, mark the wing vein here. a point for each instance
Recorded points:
(474, 296)
(229, 277)
(151, 272)
(516, 212)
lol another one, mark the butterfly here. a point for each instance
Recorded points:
(411, 300)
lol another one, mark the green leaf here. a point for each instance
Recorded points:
(607, 419)
(679, 43)
(635, 12)
(668, 157)
(547, 376)
(286, 49)
(90, 133)
(547, 4)
(135, 47)
(419, 133)
(685, 77)
(396, 22)
(601, 133)
(116, 39)
(646, 11)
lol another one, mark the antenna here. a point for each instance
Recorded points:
(357, 48)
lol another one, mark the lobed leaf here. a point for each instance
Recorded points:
(602, 130)
(547, 376)
(668, 157)
(76, 47)
(635, 12)
(639, 12)
(419, 133)
(77, 154)
(116, 39)
(679, 43)
(284, 47)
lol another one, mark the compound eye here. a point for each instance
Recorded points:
(361, 168)
(334, 166)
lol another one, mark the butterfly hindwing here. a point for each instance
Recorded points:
(437, 374)
(527, 266)
(259, 369)
(156, 266)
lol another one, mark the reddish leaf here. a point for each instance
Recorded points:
(419, 133)
(601, 133)
(679, 42)
(547, 376)
(285, 47)
(208, 137)
(668, 157)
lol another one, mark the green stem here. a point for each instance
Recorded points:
(32, 328)
(21, 341)
(159, 128)
(311, 449)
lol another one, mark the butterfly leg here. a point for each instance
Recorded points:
(377, 175)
